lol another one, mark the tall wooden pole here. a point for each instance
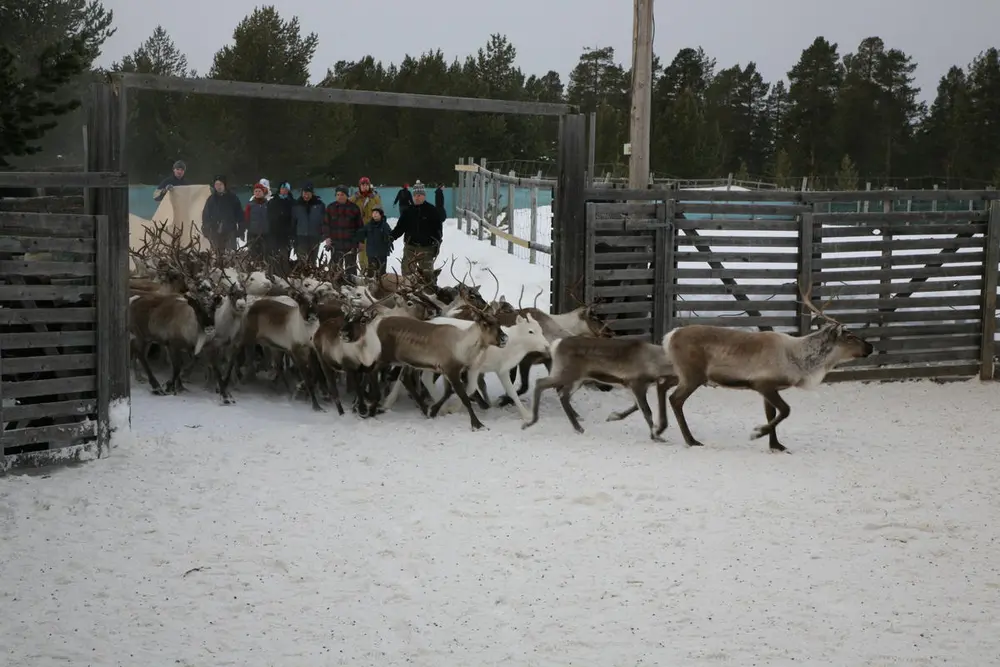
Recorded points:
(642, 93)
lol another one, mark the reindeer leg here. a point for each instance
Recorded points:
(508, 386)
(574, 417)
(449, 391)
(330, 375)
(677, 398)
(301, 358)
(227, 398)
(176, 354)
(540, 386)
(776, 410)
(154, 384)
(661, 402)
(640, 389)
(623, 414)
(455, 381)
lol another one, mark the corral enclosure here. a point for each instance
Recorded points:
(922, 284)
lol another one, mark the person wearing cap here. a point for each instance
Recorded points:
(343, 221)
(367, 199)
(422, 228)
(257, 223)
(279, 223)
(222, 216)
(168, 183)
(308, 216)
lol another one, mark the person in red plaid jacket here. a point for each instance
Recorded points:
(340, 229)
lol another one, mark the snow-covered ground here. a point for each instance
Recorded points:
(265, 534)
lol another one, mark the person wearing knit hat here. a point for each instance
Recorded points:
(367, 199)
(422, 229)
(255, 223)
(174, 179)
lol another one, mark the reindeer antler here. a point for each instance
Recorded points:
(497, 281)
(520, 297)
(818, 311)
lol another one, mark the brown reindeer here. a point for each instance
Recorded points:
(627, 363)
(181, 323)
(767, 362)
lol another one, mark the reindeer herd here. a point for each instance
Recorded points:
(219, 315)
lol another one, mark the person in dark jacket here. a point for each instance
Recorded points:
(439, 200)
(222, 217)
(404, 198)
(377, 237)
(256, 223)
(307, 221)
(167, 184)
(343, 220)
(279, 221)
(422, 228)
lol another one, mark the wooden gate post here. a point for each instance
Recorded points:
(987, 368)
(104, 130)
(663, 270)
(569, 234)
(806, 268)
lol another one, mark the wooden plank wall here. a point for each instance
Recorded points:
(920, 285)
(48, 337)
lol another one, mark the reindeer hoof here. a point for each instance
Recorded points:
(478, 426)
(578, 429)
(228, 400)
(759, 432)
(158, 391)
(778, 448)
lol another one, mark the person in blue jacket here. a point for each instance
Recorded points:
(308, 216)
(377, 237)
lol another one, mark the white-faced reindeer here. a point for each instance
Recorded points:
(284, 325)
(524, 336)
(764, 361)
(629, 363)
(440, 348)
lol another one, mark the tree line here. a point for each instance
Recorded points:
(840, 118)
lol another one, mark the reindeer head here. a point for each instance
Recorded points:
(834, 334)
(486, 318)
(529, 334)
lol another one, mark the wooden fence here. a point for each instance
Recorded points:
(63, 304)
(921, 285)
(487, 200)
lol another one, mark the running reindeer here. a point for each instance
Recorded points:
(767, 362)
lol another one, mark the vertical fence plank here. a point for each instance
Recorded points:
(483, 182)
(885, 291)
(590, 250)
(496, 209)
(533, 235)
(460, 195)
(663, 271)
(470, 196)
(511, 193)
(987, 368)
(111, 205)
(806, 273)
(569, 225)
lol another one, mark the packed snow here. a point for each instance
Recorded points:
(266, 534)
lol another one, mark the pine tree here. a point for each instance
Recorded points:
(812, 101)
(47, 48)
(847, 175)
(154, 118)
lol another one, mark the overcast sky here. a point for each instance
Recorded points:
(550, 34)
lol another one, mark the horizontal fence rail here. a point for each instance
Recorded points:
(921, 286)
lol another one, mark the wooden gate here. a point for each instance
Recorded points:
(920, 284)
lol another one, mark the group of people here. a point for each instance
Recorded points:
(354, 227)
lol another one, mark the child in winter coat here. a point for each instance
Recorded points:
(377, 237)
